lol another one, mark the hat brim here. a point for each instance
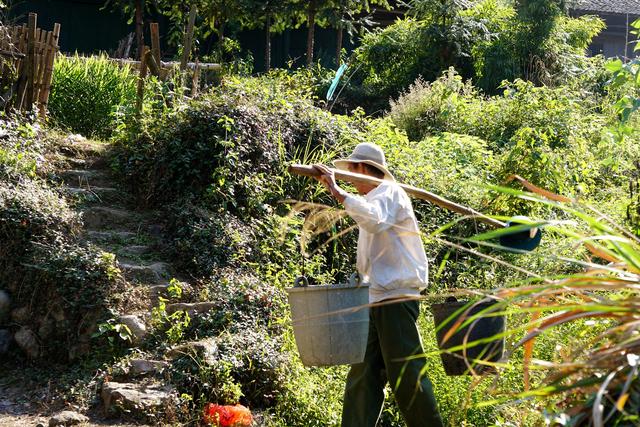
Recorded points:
(343, 164)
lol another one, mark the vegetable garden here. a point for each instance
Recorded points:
(462, 97)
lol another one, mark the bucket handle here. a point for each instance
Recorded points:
(301, 282)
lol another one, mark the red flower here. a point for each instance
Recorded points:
(227, 415)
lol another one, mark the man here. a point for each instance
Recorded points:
(391, 259)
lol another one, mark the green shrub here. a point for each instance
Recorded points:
(248, 365)
(66, 288)
(428, 108)
(22, 146)
(393, 58)
(87, 92)
(555, 57)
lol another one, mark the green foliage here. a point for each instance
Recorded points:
(247, 364)
(87, 92)
(488, 41)
(219, 164)
(67, 288)
(544, 50)
(172, 325)
(392, 58)
(64, 287)
(428, 108)
(112, 330)
(547, 135)
(21, 148)
(625, 87)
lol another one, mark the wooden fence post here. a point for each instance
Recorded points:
(31, 59)
(141, 78)
(195, 82)
(188, 38)
(41, 43)
(155, 44)
(52, 50)
(25, 88)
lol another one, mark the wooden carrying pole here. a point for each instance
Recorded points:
(419, 193)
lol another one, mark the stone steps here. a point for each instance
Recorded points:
(111, 236)
(94, 194)
(86, 178)
(133, 237)
(156, 273)
(133, 251)
(105, 218)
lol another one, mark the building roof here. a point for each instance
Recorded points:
(632, 7)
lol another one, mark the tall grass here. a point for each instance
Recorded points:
(86, 93)
(595, 384)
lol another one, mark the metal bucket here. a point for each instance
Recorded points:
(330, 322)
(463, 361)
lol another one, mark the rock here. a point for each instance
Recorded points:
(67, 418)
(137, 400)
(136, 326)
(146, 367)
(86, 178)
(134, 250)
(75, 138)
(78, 350)
(193, 309)
(99, 194)
(21, 315)
(5, 306)
(5, 340)
(100, 217)
(112, 236)
(47, 328)
(28, 342)
(206, 349)
(156, 273)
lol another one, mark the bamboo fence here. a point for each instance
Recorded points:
(27, 53)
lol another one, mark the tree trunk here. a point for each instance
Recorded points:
(140, 28)
(221, 33)
(267, 44)
(311, 24)
(339, 44)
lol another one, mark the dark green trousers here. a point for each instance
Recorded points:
(393, 337)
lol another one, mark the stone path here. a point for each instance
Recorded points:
(111, 222)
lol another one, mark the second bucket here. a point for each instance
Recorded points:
(474, 359)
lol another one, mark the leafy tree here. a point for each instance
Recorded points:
(135, 10)
(348, 14)
(536, 19)
(341, 14)
(272, 15)
(312, 9)
(214, 17)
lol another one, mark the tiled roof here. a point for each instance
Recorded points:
(631, 7)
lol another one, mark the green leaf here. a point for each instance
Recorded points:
(614, 66)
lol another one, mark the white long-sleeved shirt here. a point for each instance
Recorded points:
(390, 255)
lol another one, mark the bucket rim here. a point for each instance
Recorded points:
(317, 288)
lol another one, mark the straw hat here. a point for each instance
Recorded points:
(369, 154)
